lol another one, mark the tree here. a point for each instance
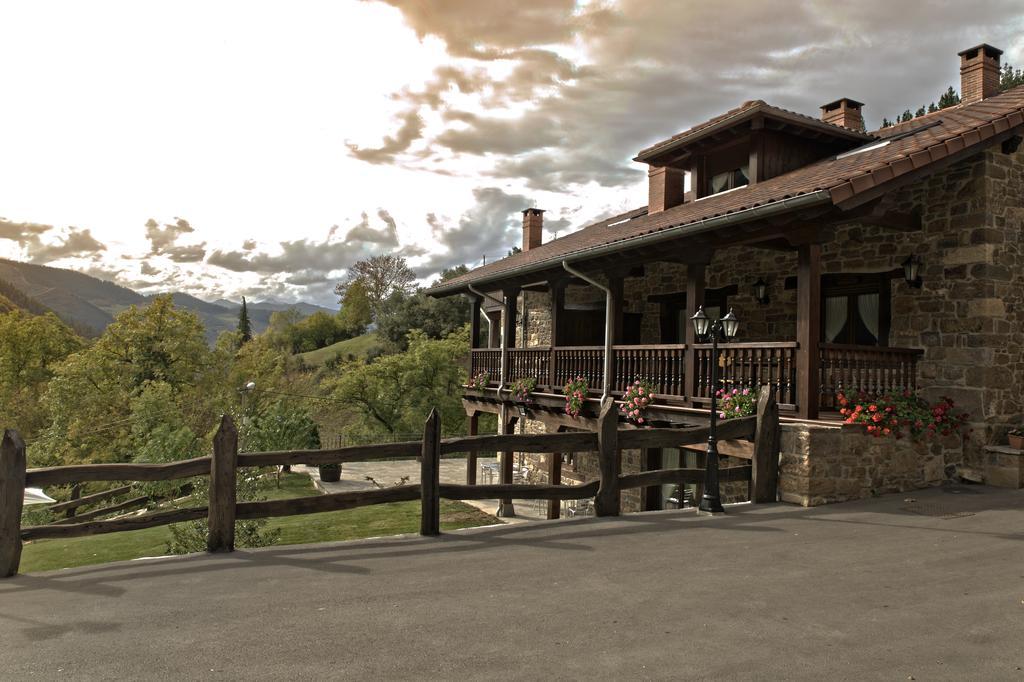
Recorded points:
(31, 348)
(437, 318)
(381, 276)
(88, 400)
(244, 326)
(949, 98)
(355, 314)
(393, 394)
(1010, 78)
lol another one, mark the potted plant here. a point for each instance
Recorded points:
(522, 388)
(736, 403)
(480, 380)
(636, 400)
(1016, 438)
(575, 396)
(330, 473)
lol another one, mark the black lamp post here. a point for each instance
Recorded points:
(711, 501)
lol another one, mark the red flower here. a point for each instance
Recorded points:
(876, 418)
(872, 408)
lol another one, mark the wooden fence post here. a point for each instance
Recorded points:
(554, 478)
(430, 476)
(12, 499)
(607, 501)
(223, 491)
(471, 456)
(765, 465)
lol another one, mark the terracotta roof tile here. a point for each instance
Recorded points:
(844, 176)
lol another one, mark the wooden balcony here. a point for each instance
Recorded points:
(842, 368)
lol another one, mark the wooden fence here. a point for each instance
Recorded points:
(223, 509)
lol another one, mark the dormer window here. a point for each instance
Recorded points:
(722, 182)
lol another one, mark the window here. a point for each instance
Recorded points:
(721, 182)
(856, 310)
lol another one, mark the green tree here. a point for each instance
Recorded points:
(88, 400)
(436, 317)
(244, 326)
(381, 276)
(1010, 78)
(355, 314)
(949, 98)
(31, 348)
(393, 394)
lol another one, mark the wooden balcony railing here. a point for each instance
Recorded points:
(870, 369)
(749, 365)
(873, 370)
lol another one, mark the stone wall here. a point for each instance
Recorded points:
(826, 463)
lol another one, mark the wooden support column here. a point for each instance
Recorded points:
(615, 284)
(764, 472)
(557, 289)
(430, 476)
(506, 425)
(808, 330)
(12, 500)
(223, 471)
(607, 500)
(508, 331)
(554, 478)
(694, 298)
(474, 422)
(494, 330)
(474, 322)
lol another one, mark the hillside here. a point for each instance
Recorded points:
(89, 304)
(357, 348)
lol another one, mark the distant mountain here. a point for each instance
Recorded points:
(272, 306)
(89, 304)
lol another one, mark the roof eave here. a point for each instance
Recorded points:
(696, 227)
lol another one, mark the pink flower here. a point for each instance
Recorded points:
(640, 420)
(735, 391)
(746, 391)
(721, 415)
(641, 391)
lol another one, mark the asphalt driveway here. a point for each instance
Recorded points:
(881, 589)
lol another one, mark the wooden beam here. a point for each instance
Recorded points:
(223, 471)
(764, 485)
(430, 481)
(474, 322)
(506, 423)
(554, 478)
(615, 284)
(607, 501)
(694, 298)
(474, 425)
(12, 500)
(808, 329)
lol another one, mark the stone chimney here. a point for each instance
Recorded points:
(979, 73)
(533, 228)
(844, 112)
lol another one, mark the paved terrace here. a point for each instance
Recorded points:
(865, 590)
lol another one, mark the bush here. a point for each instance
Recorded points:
(736, 403)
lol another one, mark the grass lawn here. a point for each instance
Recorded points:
(349, 524)
(358, 347)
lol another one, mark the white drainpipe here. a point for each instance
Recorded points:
(609, 326)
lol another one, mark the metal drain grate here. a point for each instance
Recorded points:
(937, 510)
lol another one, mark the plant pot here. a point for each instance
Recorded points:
(330, 473)
(1016, 442)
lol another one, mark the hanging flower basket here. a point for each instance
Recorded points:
(480, 381)
(522, 388)
(636, 400)
(575, 396)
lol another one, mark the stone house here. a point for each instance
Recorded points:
(879, 261)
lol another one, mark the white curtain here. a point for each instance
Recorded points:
(867, 306)
(835, 316)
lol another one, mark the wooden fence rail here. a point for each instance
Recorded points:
(223, 509)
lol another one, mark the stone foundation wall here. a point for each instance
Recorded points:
(824, 463)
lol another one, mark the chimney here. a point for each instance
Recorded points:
(844, 112)
(979, 73)
(533, 228)
(665, 188)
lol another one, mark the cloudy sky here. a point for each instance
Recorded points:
(228, 148)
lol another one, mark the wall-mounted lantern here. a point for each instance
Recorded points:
(761, 291)
(912, 270)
